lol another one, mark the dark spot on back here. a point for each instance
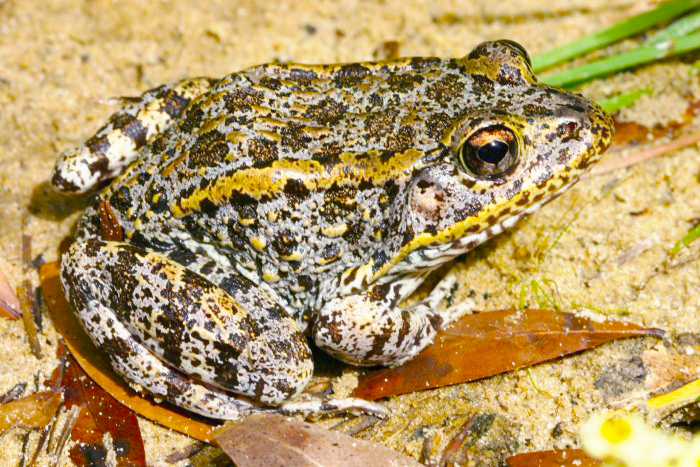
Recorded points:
(446, 89)
(263, 151)
(404, 82)
(242, 98)
(173, 103)
(296, 190)
(208, 151)
(482, 84)
(327, 112)
(350, 75)
(401, 140)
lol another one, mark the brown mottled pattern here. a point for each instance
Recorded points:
(327, 193)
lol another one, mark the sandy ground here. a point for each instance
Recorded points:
(62, 61)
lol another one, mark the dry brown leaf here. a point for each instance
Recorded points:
(271, 440)
(110, 229)
(97, 367)
(33, 411)
(9, 303)
(100, 414)
(665, 372)
(485, 344)
(556, 458)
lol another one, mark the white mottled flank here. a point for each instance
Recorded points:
(121, 152)
(74, 166)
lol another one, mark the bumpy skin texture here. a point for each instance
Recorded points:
(292, 200)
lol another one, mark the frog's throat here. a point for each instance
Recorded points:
(427, 251)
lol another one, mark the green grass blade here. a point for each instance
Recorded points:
(614, 104)
(620, 62)
(615, 33)
(679, 28)
(685, 241)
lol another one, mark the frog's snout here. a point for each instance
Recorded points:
(603, 126)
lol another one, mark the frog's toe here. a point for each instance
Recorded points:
(331, 406)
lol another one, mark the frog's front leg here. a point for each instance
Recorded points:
(117, 144)
(371, 328)
(220, 352)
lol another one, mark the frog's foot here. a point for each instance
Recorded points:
(117, 144)
(444, 291)
(370, 328)
(179, 336)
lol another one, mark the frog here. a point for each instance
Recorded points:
(238, 220)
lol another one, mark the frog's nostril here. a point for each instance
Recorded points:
(569, 130)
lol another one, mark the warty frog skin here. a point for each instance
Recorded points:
(288, 202)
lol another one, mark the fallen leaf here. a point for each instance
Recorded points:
(661, 406)
(100, 414)
(9, 303)
(555, 458)
(110, 229)
(93, 362)
(666, 371)
(270, 439)
(33, 411)
(486, 344)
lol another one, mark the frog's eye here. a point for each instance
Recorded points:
(490, 152)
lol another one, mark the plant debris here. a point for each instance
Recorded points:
(271, 439)
(9, 303)
(555, 458)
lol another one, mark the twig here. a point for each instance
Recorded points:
(184, 453)
(14, 393)
(73, 414)
(42, 440)
(644, 155)
(26, 298)
(26, 304)
(25, 445)
(36, 309)
(52, 434)
(425, 451)
(457, 441)
(365, 422)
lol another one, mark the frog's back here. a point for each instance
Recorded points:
(318, 112)
(286, 130)
(296, 173)
(288, 112)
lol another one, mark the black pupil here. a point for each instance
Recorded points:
(493, 152)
